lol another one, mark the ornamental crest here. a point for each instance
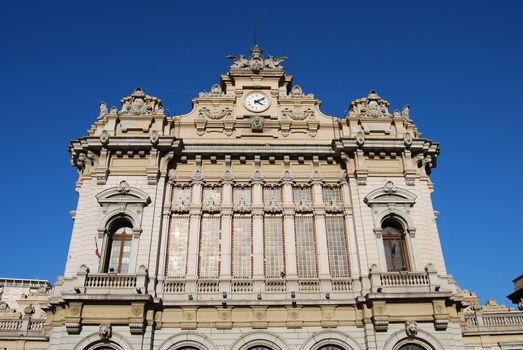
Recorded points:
(371, 106)
(308, 113)
(257, 123)
(141, 104)
(205, 112)
(256, 62)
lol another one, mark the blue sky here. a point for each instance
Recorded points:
(458, 64)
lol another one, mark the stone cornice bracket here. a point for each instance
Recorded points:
(346, 160)
(152, 166)
(102, 170)
(257, 178)
(197, 177)
(316, 178)
(287, 178)
(227, 177)
(171, 177)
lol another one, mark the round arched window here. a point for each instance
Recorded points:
(411, 347)
(330, 347)
(118, 251)
(393, 236)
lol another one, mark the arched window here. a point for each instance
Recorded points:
(330, 347)
(118, 253)
(411, 346)
(393, 235)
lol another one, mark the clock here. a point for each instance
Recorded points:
(256, 101)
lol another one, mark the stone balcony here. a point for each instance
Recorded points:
(86, 282)
(244, 291)
(404, 281)
(22, 328)
(498, 322)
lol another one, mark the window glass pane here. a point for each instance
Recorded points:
(242, 196)
(336, 243)
(177, 250)
(120, 253)
(182, 195)
(274, 263)
(305, 247)
(126, 254)
(114, 258)
(241, 264)
(210, 247)
(331, 195)
(302, 195)
(393, 245)
(272, 195)
(211, 195)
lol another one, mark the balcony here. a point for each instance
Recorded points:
(22, 328)
(86, 282)
(404, 281)
(493, 322)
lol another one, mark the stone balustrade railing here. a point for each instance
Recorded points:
(479, 320)
(404, 281)
(22, 327)
(87, 282)
(248, 286)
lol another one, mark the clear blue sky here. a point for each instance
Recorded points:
(458, 64)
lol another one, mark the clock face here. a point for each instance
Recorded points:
(257, 102)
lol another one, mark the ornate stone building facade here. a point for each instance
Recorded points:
(257, 222)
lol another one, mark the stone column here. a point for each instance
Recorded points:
(194, 243)
(226, 226)
(226, 245)
(321, 244)
(290, 244)
(257, 244)
(319, 219)
(197, 181)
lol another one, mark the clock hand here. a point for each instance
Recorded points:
(259, 100)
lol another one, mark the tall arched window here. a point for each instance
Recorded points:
(393, 235)
(118, 253)
(411, 347)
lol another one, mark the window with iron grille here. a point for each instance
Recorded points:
(332, 195)
(241, 247)
(273, 246)
(177, 247)
(209, 262)
(305, 246)
(337, 246)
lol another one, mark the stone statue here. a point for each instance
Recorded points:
(103, 109)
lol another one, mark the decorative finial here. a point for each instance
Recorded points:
(254, 43)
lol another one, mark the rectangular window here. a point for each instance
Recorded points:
(212, 195)
(209, 262)
(302, 195)
(182, 196)
(242, 196)
(337, 246)
(177, 247)
(242, 247)
(274, 253)
(332, 195)
(272, 195)
(305, 246)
